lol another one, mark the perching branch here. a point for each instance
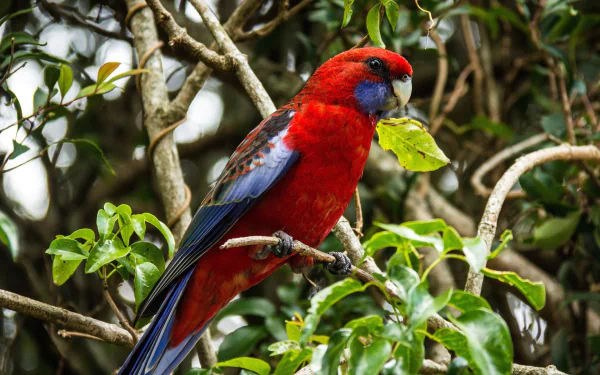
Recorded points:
(487, 226)
(71, 321)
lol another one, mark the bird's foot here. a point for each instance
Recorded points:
(284, 248)
(341, 266)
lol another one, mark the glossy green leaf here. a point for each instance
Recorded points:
(110, 208)
(293, 331)
(252, 364)
(105, 223)
(128, 73)
(21, 38)
(148, 252)
(464, 302)
(453, 340)
(65, 80)
(335, 348)
(381, 240)
(105, 252)
(139, 225)
(292, 361)
(410, 350)
(392, 11)
(452, 240)
(9, 234)
(84, 233)
(93, 149)
(404, 278)
(96, 90)
(406, 255)
(347, 12)
(475, 252)
(323, 300)
(373, 323)
(240, 342)
(51, 75)
(146, 275)
(415, 148)
(18, 149)
(425, 227)
(505, 238)
(125, 224)
(555, 232)
(164, 230)
(37, 55)
(418, 240)
(40, 98)
(368, 359)
(373, 25)
(255, 306)
(422, 305)
(488, 341)
(282, 347)
(105, 71)
(535, 292)
(68, 249)
(62, 269)
(15, 101)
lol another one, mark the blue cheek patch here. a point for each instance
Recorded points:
(372, 95)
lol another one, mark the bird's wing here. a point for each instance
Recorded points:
(256, 165)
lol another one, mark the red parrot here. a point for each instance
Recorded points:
(292, 176)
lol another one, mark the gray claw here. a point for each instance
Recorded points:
(341, 266)
(284, 248)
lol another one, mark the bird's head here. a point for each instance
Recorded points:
(373, 80)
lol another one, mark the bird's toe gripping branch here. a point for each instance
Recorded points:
(284, 248)
(341, 266)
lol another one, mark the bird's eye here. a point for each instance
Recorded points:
(375, 64)
(405, 78)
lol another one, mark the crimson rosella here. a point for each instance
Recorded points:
(292, 176)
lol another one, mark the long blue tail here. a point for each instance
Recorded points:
(152, 355)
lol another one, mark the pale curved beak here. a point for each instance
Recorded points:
(402, 90)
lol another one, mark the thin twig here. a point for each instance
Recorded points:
(122, 319)
(475, 62)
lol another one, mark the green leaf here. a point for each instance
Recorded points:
(14, 101)
(488, 342)
(282, 347)
(128, 73)
(164, 230)
(9, 235)
(37, 55)
(323, 300)
(40, 98)
(148, 252)
(368, 359)
(506, 237)
(96, 90)
(292, 361)
(68, 249)
(453, 340)
(248, 306)
(347, 12)
(146, 275)
(125, 268)
(105, 252)
(475, 252)
(555, 124)
(51, 75)
(16, 14)
(381, 240)
(465, 302)
(411, 351)
(139, 225)
(18, 150)
(199, 371)
(110, 208)
(65, 80)
(415, 148)
(555, 232)
(62, 269)
(418, 240)
(373, 24)
(105, 223)
(125, 225)
(92, 148)
(421, 305)
(373, 323)
(85, 233)
(405, 279)
(392, 11)
(293, 331)
(426, 227)
(494, 128)
(252, 364)
(21, 38)
(240, 342)
(106, 70)
(535, 292)
(335, 348)
(452, 240)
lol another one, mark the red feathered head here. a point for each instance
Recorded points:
(373, 80)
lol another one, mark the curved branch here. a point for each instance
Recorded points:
(65, 318)
(487, 226)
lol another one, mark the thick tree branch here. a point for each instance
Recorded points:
(72, 321)
(487, 226)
